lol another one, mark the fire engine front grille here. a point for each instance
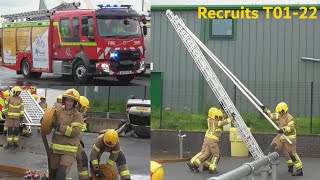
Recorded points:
(128, 55)
(127, 67)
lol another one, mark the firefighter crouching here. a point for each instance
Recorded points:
(287, 127)
(210, 153)
(58, 104)
(67, 123)
(14, 111)
(109, 142)
(82, 158)
(43, 104)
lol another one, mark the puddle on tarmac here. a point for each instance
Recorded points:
(140, 177)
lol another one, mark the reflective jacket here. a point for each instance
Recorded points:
(57, 105)
(43, 105)
(99, 147)
(67, 139)
(286, 123)
(14, 107)
(215, 128)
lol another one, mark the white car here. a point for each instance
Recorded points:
(139, 113)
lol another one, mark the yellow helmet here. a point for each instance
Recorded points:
(111, 138)
(213, 112)
(43, 97)
(84, 102)
(16, 89)
(156, 171)
(282, 106)
(6, 94)
(35, 97)
(59, 97)
(72, 94)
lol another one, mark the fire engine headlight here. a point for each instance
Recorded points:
(105, 67)
(142, 66)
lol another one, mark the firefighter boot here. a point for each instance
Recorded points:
(192, 167)
(215, 171)
(205, 168)
(290, 169)
(61, 173)
(298, 173)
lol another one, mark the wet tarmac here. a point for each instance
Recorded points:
(32, 155)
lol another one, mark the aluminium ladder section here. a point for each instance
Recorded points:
(215, 85)
(32, 110)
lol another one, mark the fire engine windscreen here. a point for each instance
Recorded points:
(118, 28)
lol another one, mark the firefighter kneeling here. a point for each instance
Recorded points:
(14, 110)
(109, 142)
(67, 124)
(210, 153)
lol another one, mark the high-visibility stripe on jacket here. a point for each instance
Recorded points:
(215, 128)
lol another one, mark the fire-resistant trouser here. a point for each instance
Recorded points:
(123, 167)
(61, 165)
(209, 155)
(82, 163)
(290, 151)
(13, 125)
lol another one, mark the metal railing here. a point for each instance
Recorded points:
(247, 170)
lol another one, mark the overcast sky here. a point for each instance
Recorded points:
(16, 6)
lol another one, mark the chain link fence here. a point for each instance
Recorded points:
(193, 100)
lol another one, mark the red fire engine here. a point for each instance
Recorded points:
(84, 44)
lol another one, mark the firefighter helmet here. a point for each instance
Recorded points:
(6, 94)
(84, 104)
(72, 94)
(35, 97)
(43, 97)
(111, 138)
(282, 106)
(156, 171)
(16, 89)
(59, 97)
(213, 112)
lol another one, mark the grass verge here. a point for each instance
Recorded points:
(187, 121)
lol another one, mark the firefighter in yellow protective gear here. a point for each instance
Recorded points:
(67, 124)
(287, 127)
(14, 111)
(5, 94)
(43, 104)
(35, 97)
(109, 142)
(210, 153)
(82, 158)
(156, 171)
(58, 104)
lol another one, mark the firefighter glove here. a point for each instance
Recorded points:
(56, 125)
(99, 174)
(267, 111)
(280, 131)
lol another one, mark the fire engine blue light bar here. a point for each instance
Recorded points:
(114, 6)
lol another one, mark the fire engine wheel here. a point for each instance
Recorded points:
(125, 78)
(26, 70)
(80, 72)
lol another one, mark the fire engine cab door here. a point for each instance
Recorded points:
(40, 47)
